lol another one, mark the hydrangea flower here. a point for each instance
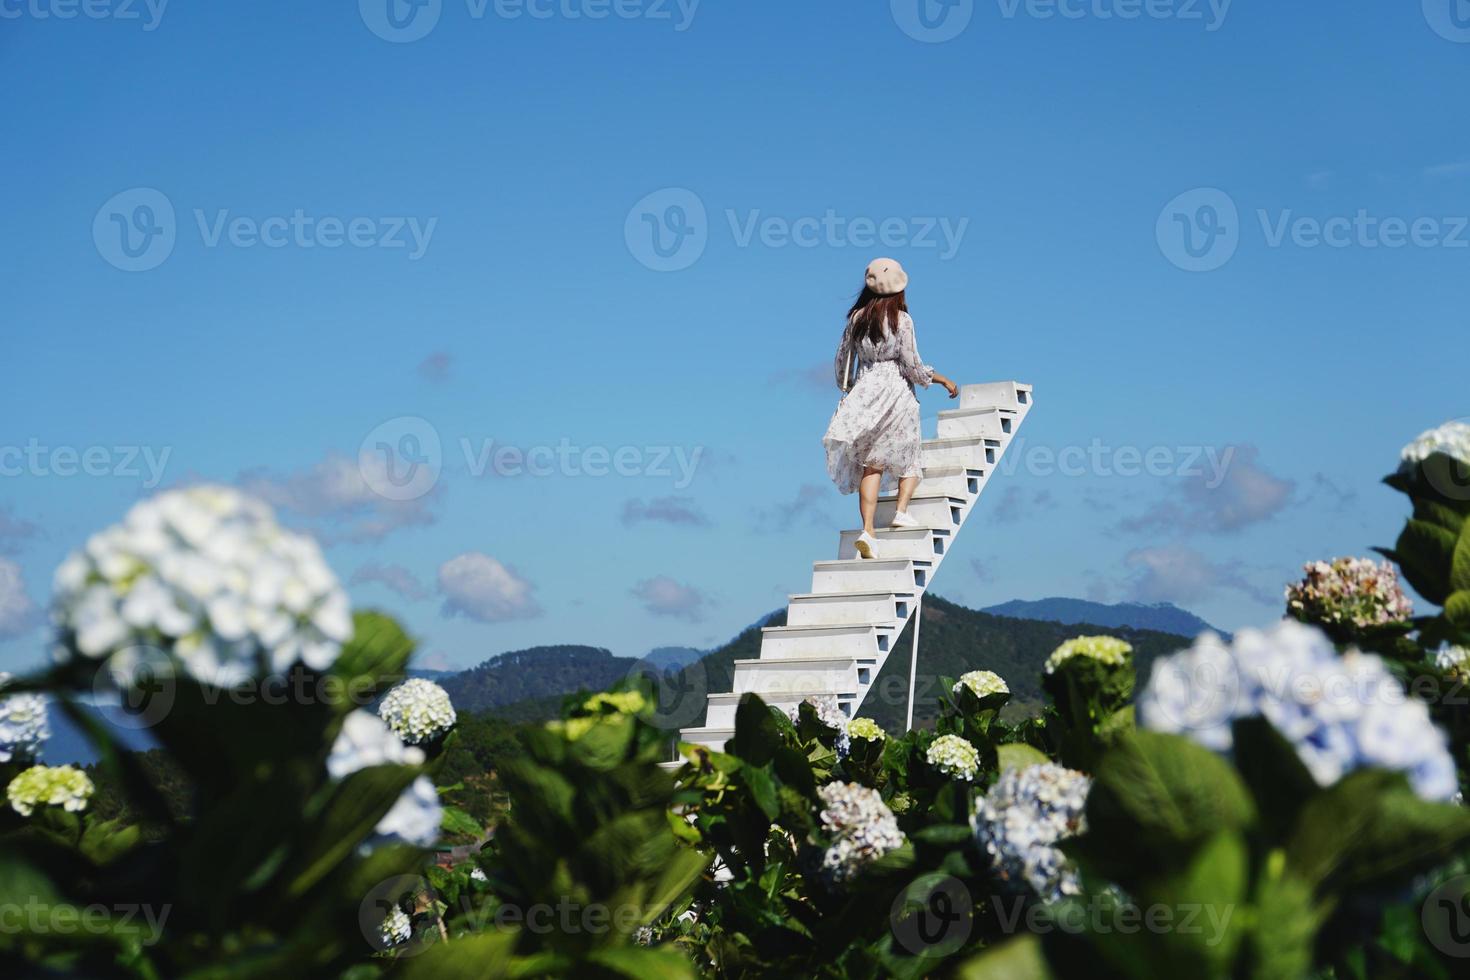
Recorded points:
(366, 741)
(414, 817)
(1356, 592)
(1452, 439)
(1107, 650)
(829, 713)
(981, 683)
(418, 711)
(866, 728)
(23, 724)
(954, 757)
(207, 574)
(1021, 819)
(397, 928)
(860, 826)
(1341, 713)
(1454, 661)
(620, 702)
(64, 786)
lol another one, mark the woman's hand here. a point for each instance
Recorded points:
(949, 386)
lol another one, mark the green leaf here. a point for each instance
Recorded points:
(944, 835)
(1424, 552)
(1275, 774)
(1018, 959)
(376, 656)
(678, 877)
(757, 736)
(1286, 922)
(762, 790)
(1371, 828)
(355, 808)
(1460, 564)
(1019, 755)
(482, 956)
(638, 963)
(456, 821)
(1457, 609)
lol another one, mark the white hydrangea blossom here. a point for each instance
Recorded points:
(829, 713)
(866, 728)
(207, 574)
(981, 683)
(414, 817)
(1107, 650)
(861, 828)
(397, 928)
(418, 711)
(953, 756)
(366, 741)
(1021, 819)
(64, 786)
(1452, 439)
(1341, 713)
(23, 724)
(1454, 661)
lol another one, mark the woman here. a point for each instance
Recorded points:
(874, 442)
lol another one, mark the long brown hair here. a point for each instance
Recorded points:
(875, 315)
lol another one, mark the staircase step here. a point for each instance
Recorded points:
(715, 738)
(952, 481)
(977, 453)
(997, 394)
(973, 423)
(847, 640)
(908, 542)
(845, 608)
(935, 511)
(807, 673)
(870, 574)
(722, 707)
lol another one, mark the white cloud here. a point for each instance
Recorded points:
(808, 508)
(335, 496)
(1239, 495)
(665, 510)
(18, 614)
(14, 531)
(1182, 575)
(394, 577)
(662, 596)
(477, 586)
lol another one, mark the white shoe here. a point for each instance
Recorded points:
(901, 518)
(866, 546)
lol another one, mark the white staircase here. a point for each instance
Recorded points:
(838, 635)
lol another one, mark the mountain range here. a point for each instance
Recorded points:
(1162, 616)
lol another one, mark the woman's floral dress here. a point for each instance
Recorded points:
(877, 423)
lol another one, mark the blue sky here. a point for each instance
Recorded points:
(456, 235)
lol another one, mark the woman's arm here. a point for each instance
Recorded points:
(839, 363)
(911, 366)
(949, 386)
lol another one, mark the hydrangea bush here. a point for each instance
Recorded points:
(24, 726)
(418, 711)
(860, 829)
(41, 786)
(953, 756)
(207, 575)
(1347, 596)
(1021, 819)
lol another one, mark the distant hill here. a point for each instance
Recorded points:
(665, 658)
(538, 674)
(1163, 616)
(954, 639)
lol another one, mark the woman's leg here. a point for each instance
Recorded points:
(906, 488)
(868, 496)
